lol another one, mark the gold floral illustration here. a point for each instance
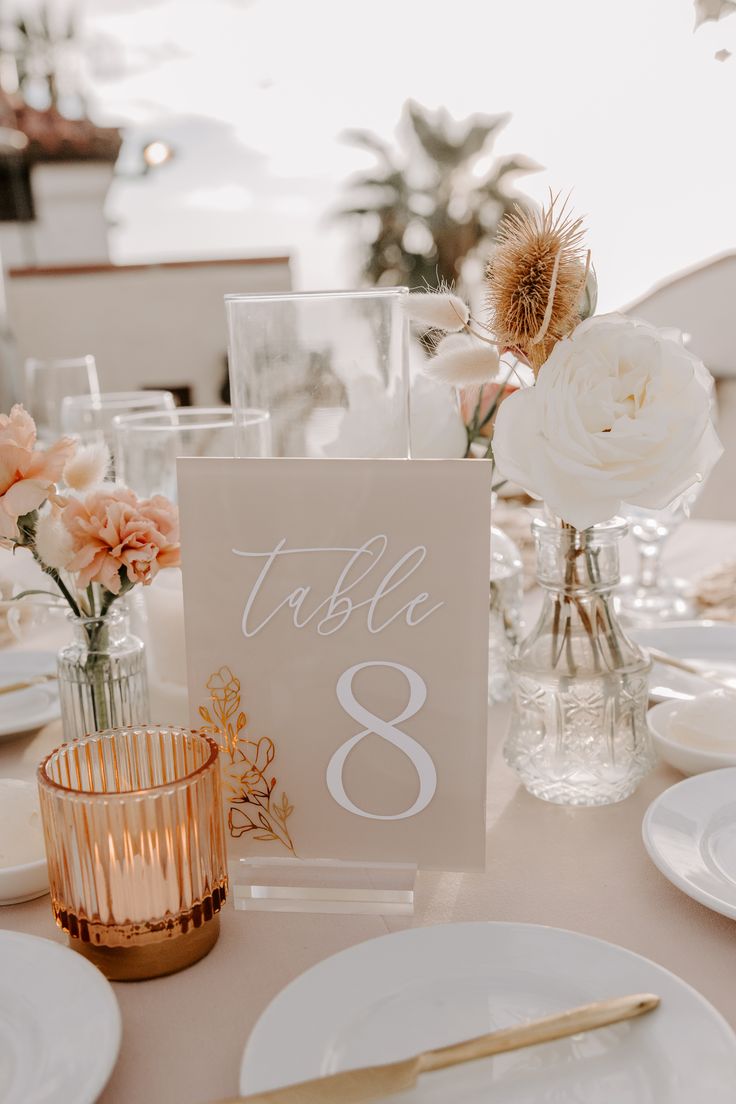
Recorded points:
(250, 785)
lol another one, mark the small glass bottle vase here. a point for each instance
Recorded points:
(102, 676)
(578, 733)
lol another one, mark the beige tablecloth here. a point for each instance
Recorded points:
(583, 869)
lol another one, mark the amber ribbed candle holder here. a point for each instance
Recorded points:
(135, 842)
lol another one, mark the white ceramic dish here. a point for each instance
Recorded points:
(27, 878)
(689, 760)
(690, 834)
(708, 643)
(394, 996)
(23, 883)
(27, 710)
(59, 1024)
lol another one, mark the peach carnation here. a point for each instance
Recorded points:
(116, 536)
(27, 475)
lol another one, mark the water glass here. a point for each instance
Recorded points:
(90, 417)
(331, 369)
(135, 843)
(146, 446)
(49, 382)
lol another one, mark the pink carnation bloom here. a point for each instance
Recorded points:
(27, 475)
(113, 529)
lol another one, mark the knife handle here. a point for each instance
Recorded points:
(559, 1026)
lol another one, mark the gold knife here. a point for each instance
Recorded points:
(359, 1085)
(719, 679)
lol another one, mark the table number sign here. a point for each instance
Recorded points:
(337, 642)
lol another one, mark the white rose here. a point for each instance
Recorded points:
(620, 412)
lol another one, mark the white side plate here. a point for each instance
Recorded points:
(407, 992)
(690, 834)
(26, 710)
(710, 644)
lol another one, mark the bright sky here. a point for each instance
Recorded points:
(619, 101)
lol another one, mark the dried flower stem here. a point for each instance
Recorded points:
(596, 622)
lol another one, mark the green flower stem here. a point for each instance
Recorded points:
(54, 574)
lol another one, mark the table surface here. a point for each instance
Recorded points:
(581, 869)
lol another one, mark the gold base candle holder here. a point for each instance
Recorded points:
(135, 843)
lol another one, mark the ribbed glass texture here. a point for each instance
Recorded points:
(134, 834)
(103, 682)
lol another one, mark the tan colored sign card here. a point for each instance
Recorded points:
(337, 641)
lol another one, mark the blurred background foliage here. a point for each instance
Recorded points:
(433, 200)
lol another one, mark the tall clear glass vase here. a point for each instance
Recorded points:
(578, 733)
(330, 368)
(102, 676)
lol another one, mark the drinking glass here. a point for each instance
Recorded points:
(331, 369)
(650, 596)
(90, 417)
(135, 842)
(147, 445)
(49, 382)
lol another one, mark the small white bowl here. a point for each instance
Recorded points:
(683, 757)
(27, 880)
(23, 883)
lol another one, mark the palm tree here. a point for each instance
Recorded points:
(423, 210)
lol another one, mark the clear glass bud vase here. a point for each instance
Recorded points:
(578, 733)
(102, 676)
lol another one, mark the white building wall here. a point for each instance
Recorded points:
(70, 225)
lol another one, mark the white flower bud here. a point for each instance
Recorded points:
(53, 543)
(463, 361)
(442, 310)
(87, 467)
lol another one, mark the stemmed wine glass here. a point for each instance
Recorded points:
(48, 382)
(651, 596)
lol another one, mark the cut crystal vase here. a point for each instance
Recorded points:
(578, 733)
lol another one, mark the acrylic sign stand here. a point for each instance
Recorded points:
(307, 360)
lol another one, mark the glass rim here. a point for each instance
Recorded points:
(59, 362)
(212, 417)
(105, 399)
(103, 795)
(613, 526)
(283, 296)
(114, 615)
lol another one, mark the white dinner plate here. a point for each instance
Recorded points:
(709, 644)
(690, 834)
(25, 710)
(59, 1024)
(410, 991)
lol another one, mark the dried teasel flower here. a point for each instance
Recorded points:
(537, 281)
